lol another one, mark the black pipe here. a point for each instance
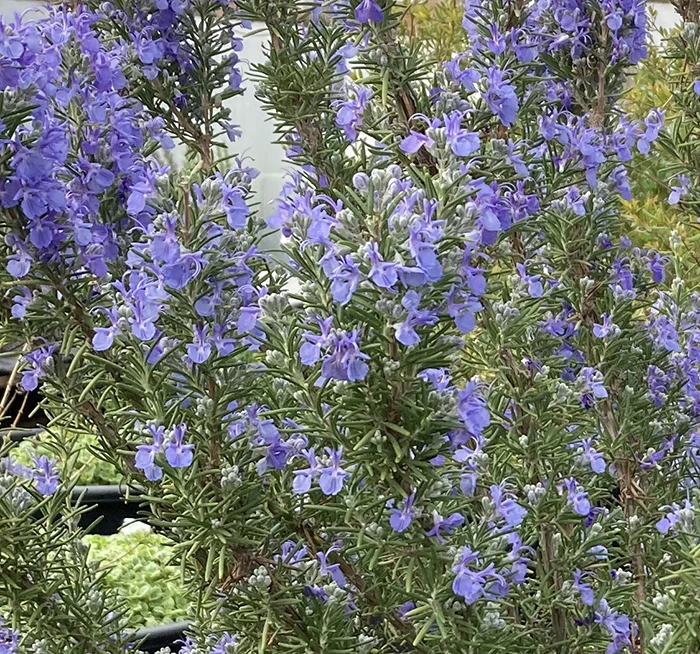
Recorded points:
(18, 434)
(108, 504)
(151, 639)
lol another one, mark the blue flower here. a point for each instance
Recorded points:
(593, 382)
(368, 11)
(448, 525)
(472, 583)
(400, 519)
(462, 141)
(332, 477)
(344, 277)
(226, 644)
(350, 112)
(331, 569)
(199, 350)
(405, 331)
(577, 497)
(9, 639)
(382, 273)
(45, 475)
(584, 589)
(178, 453)
(145, 458)
(590, 455)
(534, 282)
(618, 625)
(472, 408)
(344, 360)
(677, 192)
(103, 337)
(606, 328)
(39, 360)
(304, 477)
(506, 506)
(500, 96)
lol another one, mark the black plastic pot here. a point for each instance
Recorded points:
(108, 504)
(18, 434)
(152, 639)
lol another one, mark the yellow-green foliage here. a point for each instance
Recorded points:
(141, 574)
(652, 221)
(438, 25)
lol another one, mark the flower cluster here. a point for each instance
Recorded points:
(43, 474)
(460, 401)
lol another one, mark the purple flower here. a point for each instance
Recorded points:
(590, 455)
(439, 378)
(415, 141)
(304, 477)
(677, 515)
(9, 639)
(368, 11)
(40, 360)
(462, 142)
(45, 475)
(448, 525)
(664, 333)
(21, 302)
(470, 582)
(463, 309)
(247, 319)
(404, 609)
(382, 273)
(235, 207)
(677, 192)
(344, 277)
(178, 453)
(618, 625)
(332, 477)
(472, 408)
(18, 264)
(400, 519)
(200, 350)
(534, 282)
(146, 454)
(345, 361)
(654, 457)
(500, 96)
(606, 328)
(506, 506)
(350, 112)
(653, 123)
(310, 351)
(332, 569)
(405, 331)
(496, 43)
(656, 265)
(104, 336)
(576, 201)
(584, 589)
(621, 178)
(224, 345)
(227, 643)
(593, 382)
(577, 497)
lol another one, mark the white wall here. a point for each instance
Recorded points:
(665, 18)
